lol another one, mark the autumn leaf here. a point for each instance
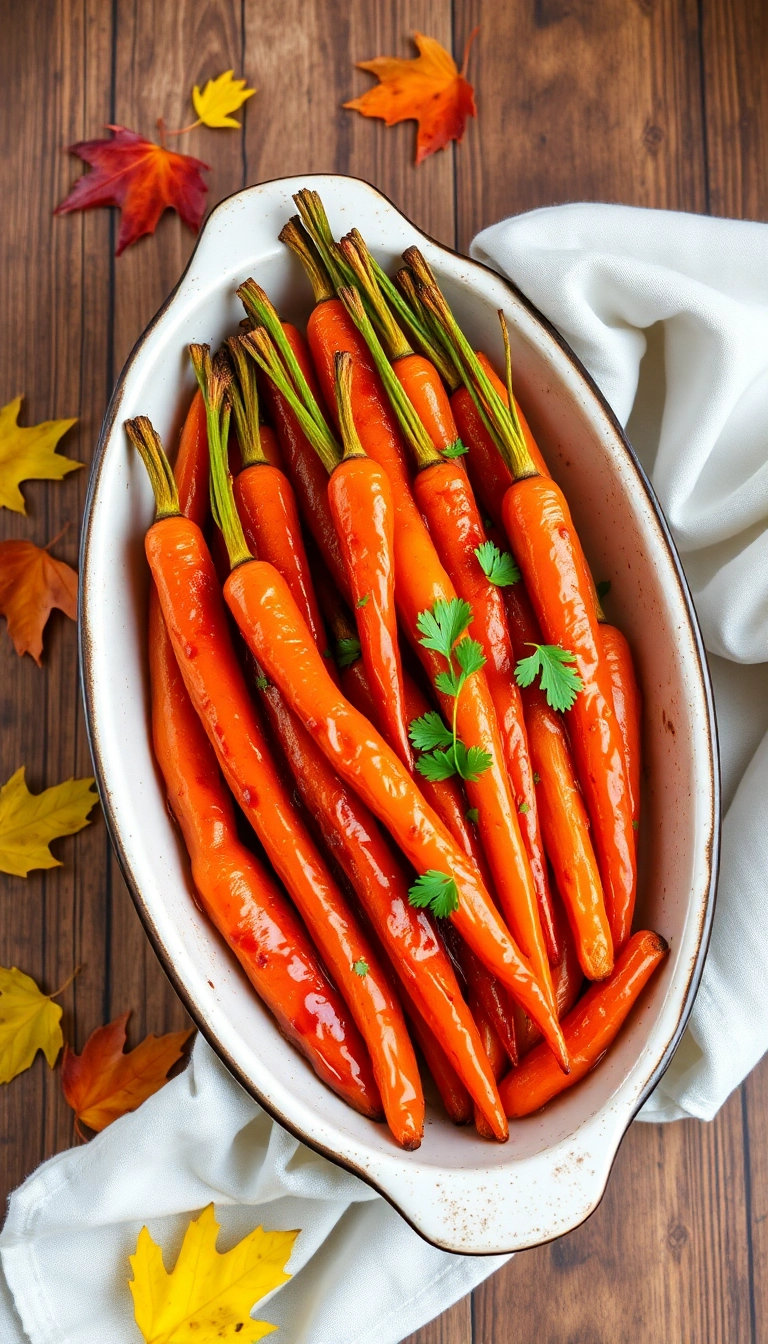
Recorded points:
(142, 178)
(207, 1295)
(29, 453)
(220, 97)
(104, 1083)
(30, 821)
(429, 89)
(32, 583)
(29, 1021)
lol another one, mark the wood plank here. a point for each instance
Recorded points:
(756, 1128)
(56, 57)
(735, 49)
(664, 1257)
(308, 131)
(579, 101)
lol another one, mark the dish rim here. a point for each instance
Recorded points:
(88, 692)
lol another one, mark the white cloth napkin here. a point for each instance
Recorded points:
(686, 297)
(691, 296)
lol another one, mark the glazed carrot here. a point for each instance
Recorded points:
(415, 952)
(628, 704)
(453, 525)
(416, 374)
(360, 497)
(487, 990)
(306, 472)
(191, 469)
(567, 979)
(589, 1029)
(497, 1057)
(564, 820)
(265, 500)
(538, 522)
(453, 1093)
(271, 624)
(196, 620)
(241, 899)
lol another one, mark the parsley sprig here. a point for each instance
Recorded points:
(347, 651)
(455, 449)
(498, 566)
(435, 891)
(444, 629)
(559, 682)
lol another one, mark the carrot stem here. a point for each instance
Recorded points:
(146, 440)
(244, 398)
(358, 259)
(295, 236)
(315, 427)
(349, 435)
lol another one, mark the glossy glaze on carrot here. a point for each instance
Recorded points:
(416, 954)
(589, 1029)
(628, 704)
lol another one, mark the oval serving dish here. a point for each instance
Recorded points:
(459, 1191)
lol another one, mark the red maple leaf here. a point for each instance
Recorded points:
(142, 178)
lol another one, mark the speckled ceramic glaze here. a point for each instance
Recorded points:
(459, 1191)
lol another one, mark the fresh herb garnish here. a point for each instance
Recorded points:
(261, 684)
(364, 600)
(455, 449)
(559, 682)
(523, 808)
(361, 968)
(435, 891)
(444, 629)
(498, 566)
(472, 814)
(347, 651)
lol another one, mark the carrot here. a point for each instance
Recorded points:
(416, 374)
(239, 896)
(589, 1029)
(416, 954)
(192, 462)
(567, 980)
(304, 469)
(628, 704)
(265, 500)
(564, 820)
(538, 522)
(360, 497)
(487, 991)
(453, 1093)
(503, 841)
(195, 616)
(495, 1052)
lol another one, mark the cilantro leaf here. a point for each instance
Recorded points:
(470, 657)
(364, 600)
(559, 681)
(429, 732)
(347, 651)
(471, 762)
(523, 809)
(497, 566)
(450, 683)
(435, 891)
(444, 624)
(437, 765)
(361, 968)
(261, 684)
(472, 814)
(455, 449)
(603, 588)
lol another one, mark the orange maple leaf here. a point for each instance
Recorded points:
(31, 584)
(429, 89)
(142, 178)
(104, 1083)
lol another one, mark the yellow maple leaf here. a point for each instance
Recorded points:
(220, 97)
(29, 454)
(207, 1296)
(29, 821)
(29, 1021)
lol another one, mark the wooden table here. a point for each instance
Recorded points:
(650, 102)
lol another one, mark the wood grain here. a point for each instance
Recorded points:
(652, 102)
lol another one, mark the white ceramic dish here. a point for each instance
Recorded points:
(457, 1190)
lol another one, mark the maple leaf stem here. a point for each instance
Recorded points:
(58, 537)
(193, 125)
(468, 48)
(66, 984)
